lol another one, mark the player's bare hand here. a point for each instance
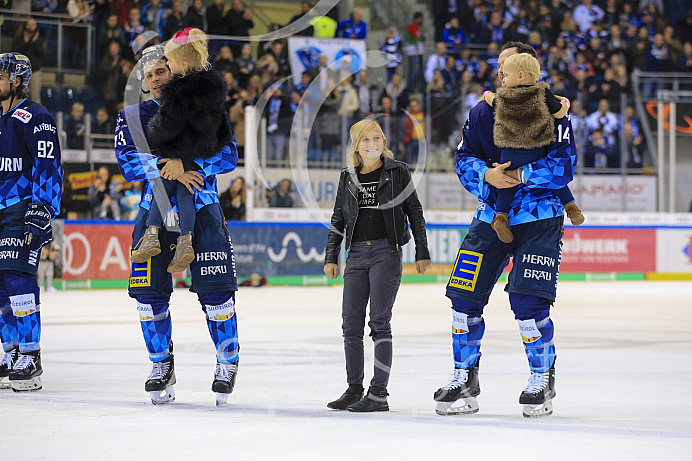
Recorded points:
(500, 177)
(423, 265)
(172, 169)
(191, 179)
(331, 270)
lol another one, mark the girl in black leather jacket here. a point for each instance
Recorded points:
(375, 201)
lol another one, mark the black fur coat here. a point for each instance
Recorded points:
(522, 118)
(191, 122)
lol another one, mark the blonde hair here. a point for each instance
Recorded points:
(194, 52)
(526, 63)
(358, 130)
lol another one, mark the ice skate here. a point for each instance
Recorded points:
(184, 254)
(374, 400)
(149, 246)
(538, 395)
(160, 382)
(352, 395)
(459, 396)
(501, 226)
(574, 214)
(6, 365)
(26, 372)
(224, 381)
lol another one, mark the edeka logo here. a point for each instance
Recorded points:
(141, 274)
(466, 269)
(221, 312)
(311, 255)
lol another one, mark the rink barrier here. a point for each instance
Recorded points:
(641, 247)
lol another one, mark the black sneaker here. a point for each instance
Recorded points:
(352, 395)
(374, 400)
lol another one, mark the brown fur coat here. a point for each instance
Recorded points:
(522, 118)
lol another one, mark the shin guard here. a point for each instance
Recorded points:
(221, 320)
(537, 336)
(156, 325)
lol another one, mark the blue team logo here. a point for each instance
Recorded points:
(355, 58)
(466, 269)
(309, 56)
(141, 274)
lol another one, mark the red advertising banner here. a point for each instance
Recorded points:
(96, 251)
(608, 250)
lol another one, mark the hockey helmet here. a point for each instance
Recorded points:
(150, 56)
(17, 65)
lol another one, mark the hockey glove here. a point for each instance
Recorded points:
(37, 229)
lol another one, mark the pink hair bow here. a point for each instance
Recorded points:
(181, 37)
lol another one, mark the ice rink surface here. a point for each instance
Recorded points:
(624, 372)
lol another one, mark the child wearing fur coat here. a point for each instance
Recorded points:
(190, 124)
(525, 110)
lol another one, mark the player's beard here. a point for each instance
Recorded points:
(5, 95)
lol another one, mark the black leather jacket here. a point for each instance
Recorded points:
(394, 179)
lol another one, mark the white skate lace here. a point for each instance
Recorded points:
(458, 378)
(537, 382)
(7, 359)
(159, 370)
(225, 371)
(24, 362)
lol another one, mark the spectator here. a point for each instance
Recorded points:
(634, 147)
(44, 6)
(154, 16)
(239, 23)
(224, 61)
(608, 88)
(31, 44)
(196, 16)
(321, 70)
(658, 59)
(247, 66)
(308, 31)
(237, 118)
(450, 74)
(98, 194)
(111, 32)
(673, 44)
(349, 102)
(414, 135)
(397, 91)
(46, 266)
(596, 55)
(109, 73)
(354, 27)
(233, 200)
(684, 63)
(116, 192)
(122, 9)
(133, 27)
(478, 31)
(79, 10)
(605, 121)
(453, 36)
(280, 56)
(413, 49)
(217, 25)
(328, 125)
(391, 48)
(365, 95)
(232, 89)
(496, 29)
(74, 128)
(444, 10)
(393, 127)
(323, 27)
(280, 196)
(441, 111)
(586, 14)
(304, 82)
(638, 50)
(104, 126)
(279, 117)
(599, 153)
(436, 62)
(174, 20)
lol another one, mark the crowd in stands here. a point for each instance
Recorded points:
(588, 50)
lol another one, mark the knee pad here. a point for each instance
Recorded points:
(526, 307)
(218, 306)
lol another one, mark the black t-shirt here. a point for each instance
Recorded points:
(370, 223)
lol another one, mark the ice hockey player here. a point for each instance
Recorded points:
(213, 269)
(30, 189)
(536, 217)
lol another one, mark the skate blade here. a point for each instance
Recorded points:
(5, 383)
(221, 399)
(27, 385)
(538, 411)
(162, 397)
(467, 406)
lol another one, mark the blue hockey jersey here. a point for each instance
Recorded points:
(534, 200)
(30, 166)
(136, 165)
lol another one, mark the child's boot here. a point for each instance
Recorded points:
(149, 246)
(184, 254)
(574, 213)
(501, 226)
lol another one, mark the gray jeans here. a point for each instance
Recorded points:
(373, 271)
